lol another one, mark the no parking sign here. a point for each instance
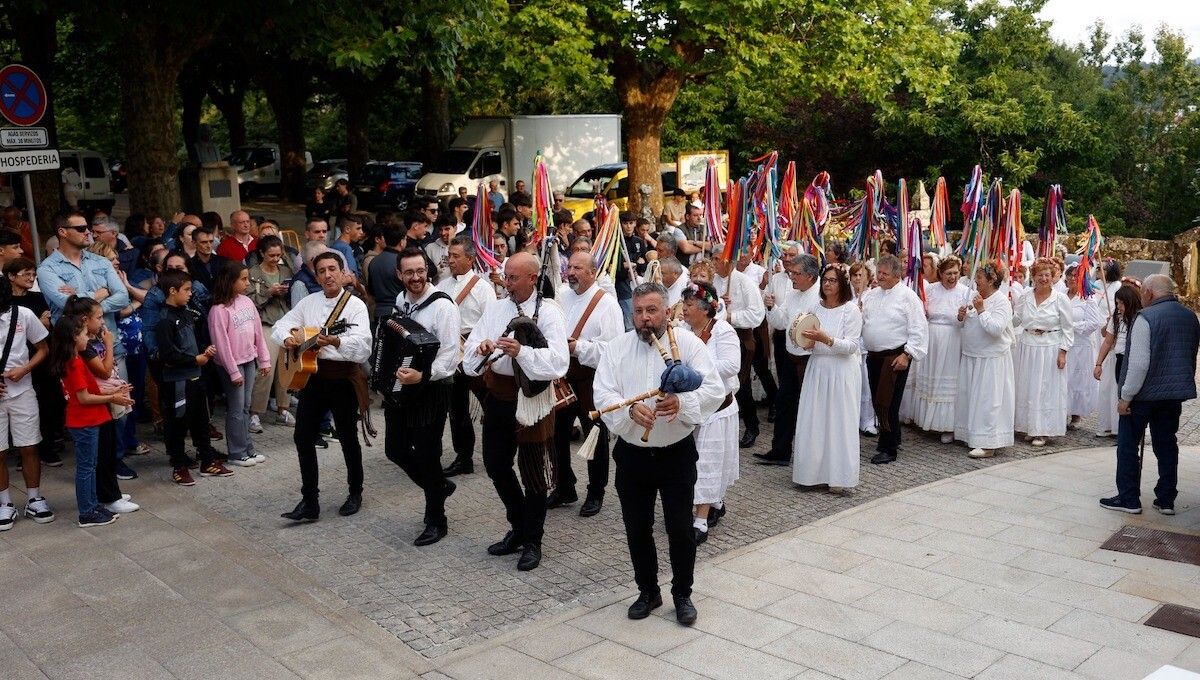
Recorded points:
(22, 95)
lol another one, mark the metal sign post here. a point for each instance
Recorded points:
(33, 230)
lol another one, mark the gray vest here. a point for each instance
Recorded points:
(1174, 339)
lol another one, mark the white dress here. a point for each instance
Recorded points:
(1041, 385)
(1106, 415)
(1082, 389)
(826, 448)
(936, 381)
(717, 438)
(866, 408)
(983, 417)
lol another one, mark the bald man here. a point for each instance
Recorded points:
(530, 448)
(237, 246)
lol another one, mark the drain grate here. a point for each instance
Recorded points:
(1164, 545)
(1176, 618)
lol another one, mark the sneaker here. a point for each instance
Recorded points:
(96, 518)
(8, 515)
(214, 434)
(286, 419)
(1164, 509)
(243, 462)
(182, 477)
(947, 437)
(51, 459)
(38, 510)
(320, 443)
(328, 434)
(1115, 503)
(981, 453)
(255, 424)
(215, 469)
(139, 450)
(122, 506)
(124, 472)
(257, 457)
(1037, 441)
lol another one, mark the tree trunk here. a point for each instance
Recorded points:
(356, 101)
(191, 94)
(151, 135)
(435, 116)
(37, 39)
(286, 85)
(231, 104)
(646, 99)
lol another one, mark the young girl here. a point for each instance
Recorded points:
(237, 334)
(88, 418)
(97, 355)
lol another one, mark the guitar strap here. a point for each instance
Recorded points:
(467, 289)
(337, 309)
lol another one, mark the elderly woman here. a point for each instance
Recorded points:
(1082, 390)
(860, 282)
(1048, 332)
(828, 450)
(983, 417)
(936, 384)
(717, 438)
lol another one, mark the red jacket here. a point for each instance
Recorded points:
(230, 249)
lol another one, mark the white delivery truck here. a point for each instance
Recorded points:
(259, 168)
(503, 149)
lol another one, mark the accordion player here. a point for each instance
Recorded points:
(401, 342)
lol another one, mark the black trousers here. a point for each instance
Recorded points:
(51, 407)
(745, 393)
(787, 399)
(194, 420)
(418, 451)
(524, 508)
(462, 429)
(564, 421)
(889, 436)
(762, 363)
(321, 396)
(1162, 417)
(642, 474)
(108, 488)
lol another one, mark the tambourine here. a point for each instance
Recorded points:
(804, 322)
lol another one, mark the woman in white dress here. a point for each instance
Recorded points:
(983, 417)
(908, 404)
(936, 382)
(1047, 333)
(860, 282)
(1106, 405)
(1082, 390)
(717, 438)
(826, 449)
(1127, 303)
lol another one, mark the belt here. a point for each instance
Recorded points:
(1041, 331)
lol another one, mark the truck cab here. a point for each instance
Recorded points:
(95, 181)
(462, 167)
(260, 169)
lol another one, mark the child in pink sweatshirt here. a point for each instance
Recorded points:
(241, 348)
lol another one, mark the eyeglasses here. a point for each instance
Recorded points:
(409, 273)
(793, 272)
(432, 210)
(834, 280)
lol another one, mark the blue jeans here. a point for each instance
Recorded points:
(237, 410)
(87, 443)
(1163, 419)
(627, 311)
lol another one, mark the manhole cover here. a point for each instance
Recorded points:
(1164, 545)
(1176, 618)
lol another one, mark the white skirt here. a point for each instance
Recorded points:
(983, 418)
(937, 380)
(1083, 391)
(1106, 401)
(1041, 391)
(866, 407)
(826, 447)
(718, 464)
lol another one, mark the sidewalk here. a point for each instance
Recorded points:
(992, 574)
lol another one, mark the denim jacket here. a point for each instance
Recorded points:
(95, 272)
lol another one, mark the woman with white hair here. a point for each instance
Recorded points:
(1047, 334)
(1082, 389)
(983, 416)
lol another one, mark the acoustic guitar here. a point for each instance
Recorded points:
(300, 362)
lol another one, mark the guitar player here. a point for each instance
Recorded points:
(337, 386)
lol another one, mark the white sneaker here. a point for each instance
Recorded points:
(122, 507)
(242, 462)
(1038, 441)
(8, 515)
(126, 497)
(286, 419)
(39, 511)
(255, 424)
(257, 458)
(947, 437)
(981, 453)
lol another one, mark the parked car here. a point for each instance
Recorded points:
(95, 183)
(612, 181)
(326, 173)
(120, 176)
(386, 184)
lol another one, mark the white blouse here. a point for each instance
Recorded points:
(988, 333)
(1053, 317)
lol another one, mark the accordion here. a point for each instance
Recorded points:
(401, 342)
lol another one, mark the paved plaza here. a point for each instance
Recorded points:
(938, 566)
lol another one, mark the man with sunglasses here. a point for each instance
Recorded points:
(561, 212)
(72, 270)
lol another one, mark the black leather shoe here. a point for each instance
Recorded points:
(774, 461)
(432, 534)
(305, 511)
(531, 557)
(701, 536)
(645, 604)
(766, 456)
(771, 413)
(460, 466)
(883, 457)
(351, 506)
(558, 498)
(591, 506)
(715, 515)
(748, 439)
(450, 488)
(321, 443)
(511, 543)
(685, 611)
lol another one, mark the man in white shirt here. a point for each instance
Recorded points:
(761, 361)
(472, 293)
(894, 333)
(791, 360)
(744, 310)
(593, 318)
(503, 446)
(665, 463)
(440, 247)
(415, 410)
(337, 386)
(674, 278)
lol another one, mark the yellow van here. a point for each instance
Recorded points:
(612, 181)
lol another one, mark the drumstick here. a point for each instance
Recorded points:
(595, 415)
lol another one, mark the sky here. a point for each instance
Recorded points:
(1071, 19)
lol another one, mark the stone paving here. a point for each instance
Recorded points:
(451, 595)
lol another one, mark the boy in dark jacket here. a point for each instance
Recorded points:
(182, 396)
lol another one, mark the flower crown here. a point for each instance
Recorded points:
(701, 293)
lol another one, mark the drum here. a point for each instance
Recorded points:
(804, 322)
(563, 394)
